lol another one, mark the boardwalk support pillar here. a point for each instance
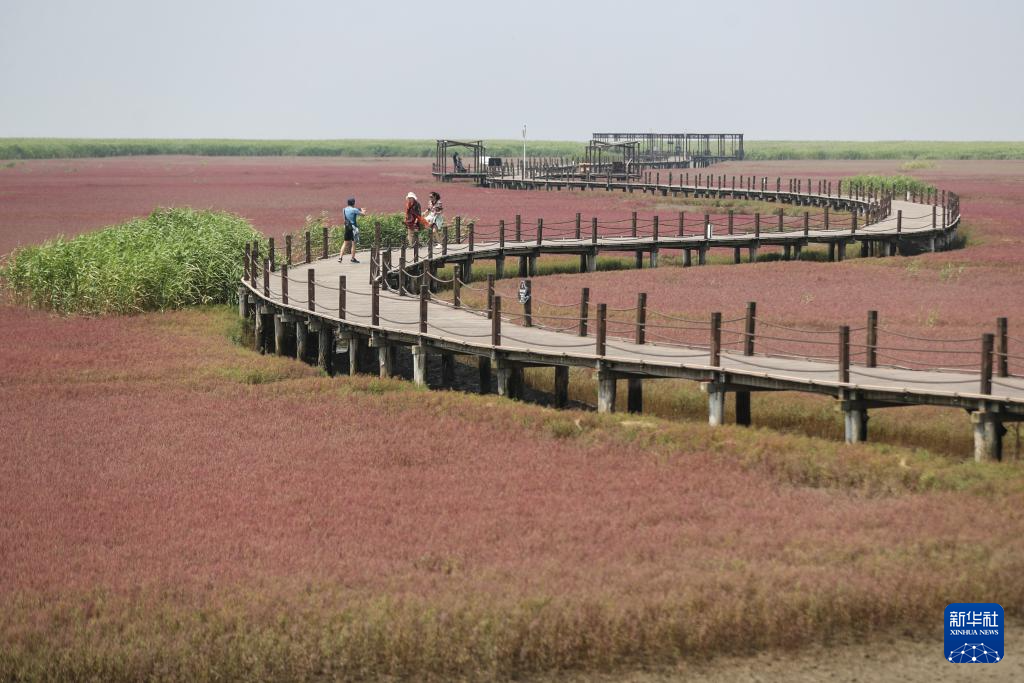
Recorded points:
(561, 386)
(606, 386)
(279, 335)
(325, 349)
(591, 258)
(301, 340)
(484, 370)
(716, 405)
(988, 436)
(510, 379)
(635, 395)
(419, 365)
(386, 358)
(855, 421)
(447, 369)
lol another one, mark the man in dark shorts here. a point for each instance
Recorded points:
(351, 214)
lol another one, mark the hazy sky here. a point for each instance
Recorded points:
(472, 68)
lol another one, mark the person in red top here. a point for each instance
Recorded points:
(413, 217)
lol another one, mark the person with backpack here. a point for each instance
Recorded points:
(351, 215)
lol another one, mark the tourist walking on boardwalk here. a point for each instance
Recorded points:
(435, 215)
(351, 215)
(413, 217)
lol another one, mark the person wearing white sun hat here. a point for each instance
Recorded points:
(413, 217)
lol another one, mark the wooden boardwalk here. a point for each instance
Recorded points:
(385, 302)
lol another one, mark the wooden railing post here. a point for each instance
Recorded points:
(375, 304)
(987, 342)
(288, 249)
(826, 216)
(254, 263)
(602, 329)
(519, 228)
(641, 318)
(457, 287)
(1002, 358)
(458, 230)
(716, 339)
(501, 233)
(682, 227)
(633, 232)
(593, 230)
(844, 354)
(748, 328)
(540, 231)
(495, 314)
(342, 286)
(584, 310)
(899, 221)
(246, 258)
(654, 231)
(490, 291)
(730, 221)
(757, 225)
(284, 283)
(528, 305)
(309, 248)
(807, 223)
(444, 241)
(781, 226)
(327, 243)
(578, 225)
(424, 298)
(266, 277)
(853, 221)
(311, 287)
(472, 237)
(272, 255)
(871, 351)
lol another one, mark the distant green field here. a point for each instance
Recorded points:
(63, 148)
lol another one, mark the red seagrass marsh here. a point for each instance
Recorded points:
(175, 506)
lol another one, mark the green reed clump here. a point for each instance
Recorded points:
(898, 184)
(169, 259)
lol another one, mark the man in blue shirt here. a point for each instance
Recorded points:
(351, 214)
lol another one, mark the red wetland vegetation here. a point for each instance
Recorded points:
(175, 506)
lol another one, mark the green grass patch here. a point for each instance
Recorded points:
(169, 259)
(70, 148)
(898, 184)
(772, 150)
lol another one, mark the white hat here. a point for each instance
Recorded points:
(411, 196)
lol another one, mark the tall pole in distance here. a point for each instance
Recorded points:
(524, 151)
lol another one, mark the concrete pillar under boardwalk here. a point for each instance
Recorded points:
(583, 263)
(796, 251)
(687, 258)
(716, 407)
(743, 408)
(484, 370)
(243, 301)
(639, 260)
(301, 341)
(753, 254)
(447, 369)
(279, 335)
(532, 263)
(499, 267)
(591, 262)
(865, 249)
(831, 251)
(524, 266)
(354, 343)
(386, 360)
(561, 386)
(855, 424)
(988, 436)
(787, 252)
(635, 395)
(510, 380)
(653, 259)
(325, 350)
(841, 251)
(736, 255)
(606, 387)
(702, 255)
(419, 365)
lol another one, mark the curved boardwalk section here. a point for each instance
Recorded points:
(390, 300)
